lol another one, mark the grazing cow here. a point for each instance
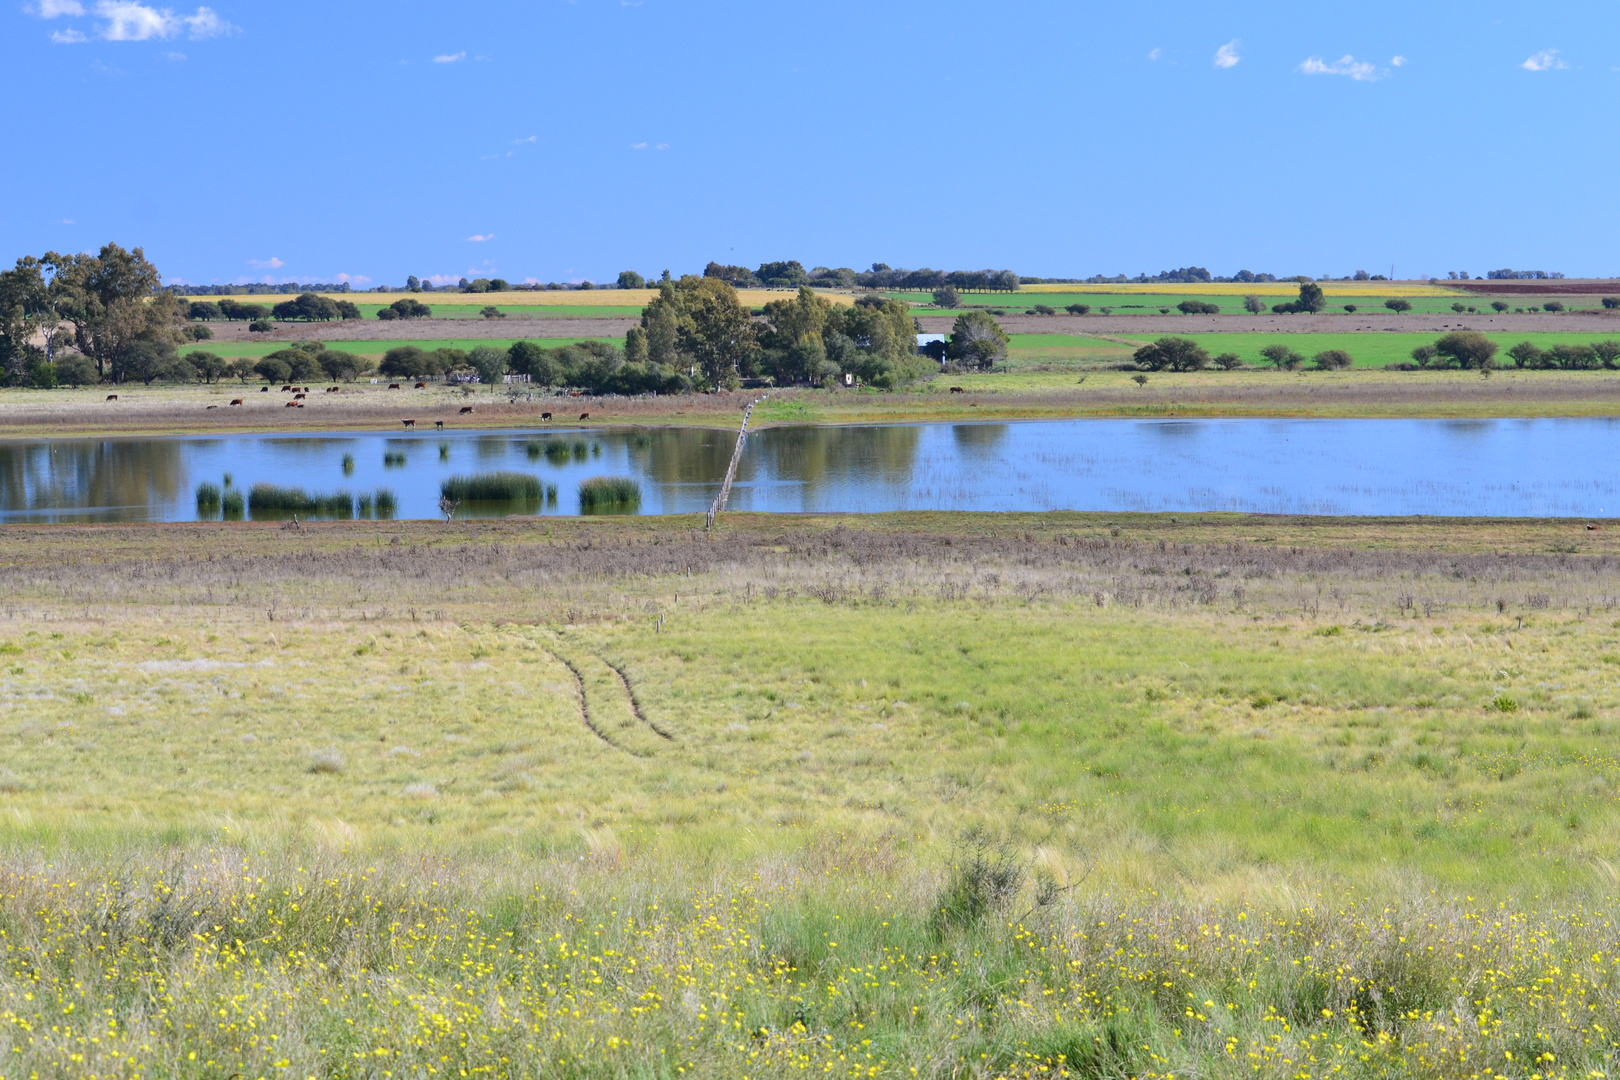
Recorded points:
(236, 401)
(264, 389)
(291, 405)
(439, 424)
(286, 389)
(957, 390)
(545, 416)
(213, 406)
(584, 416)
(1594, 528)
(421, 386)
(298, 397)
(408, 423)
(393, 386)
(112, 397)
(465, 409)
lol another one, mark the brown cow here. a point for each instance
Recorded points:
(298, 397)
(957, 390)
(465, 409)
(393, 386)
(439, 424)
(213, 406)
(112, 397)
(236, 401)
(408, 423)
(291, 405)
(584, 416)
(545, 416)
(286, 389)
(421, 386)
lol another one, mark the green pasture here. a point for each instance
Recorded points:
(514, 311)
(230, 349)
(1370, 349)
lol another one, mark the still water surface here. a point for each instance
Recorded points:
(1449, 467)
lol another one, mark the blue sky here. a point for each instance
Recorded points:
(558, 141)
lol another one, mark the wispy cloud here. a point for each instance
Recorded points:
(443, 279)
(1545, 60)
(272, 263)
(354, 279)
(638, 146)
(1359, 70)
(518, 142)
(662, 146)
(1154, 54)
(50, 9)
(1399, 61)
(451, 58)
(480, 238)
(126, 20)
(68, 37)
(1227, 55)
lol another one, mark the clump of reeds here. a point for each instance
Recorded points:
(609, 494)
(275, 498)
(386, 502)
(580, 451)
(444, 451)
(393, 458)
(232, 504)
(208, 499)
(492, 487)
(556, 452)
(362, 506)
(348, 464)
(551, 494)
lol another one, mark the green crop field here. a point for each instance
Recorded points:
(1371, 349)
(373, 349)
(908, 795)
(1230, 304)
(473, 310)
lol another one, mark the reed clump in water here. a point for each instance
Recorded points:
(609, 494)
(493, 487)
(348, 464)
(393, 459)
(232, 504)
(386, 502)
(208, 499)
(278, 499)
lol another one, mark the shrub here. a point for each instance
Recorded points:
(1504, 704)
(1526, 355)
(947, 297)
(1610, 302)
(1228, 361)
(261, 326)
(1078, 309)
(273, 369)
(609, 493)
(492, 487)
(1467, 348)
(1552, 305)
(1198, 307)
(1044, 309)
(1350, 309)
(1332, 360)
(75, 370)
(1253, 305)
(326, 761)
(1459, 307)
(1282, 356)
(1498, 306)
(985, 879)
(1424, 355)
(1397, 305)
(1174, 353)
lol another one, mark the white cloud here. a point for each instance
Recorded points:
(354, 279)
(662, 146)
(1154, 55)
(1359, 70)
(272, 263)
(479, 238)
(1399, 61)
(444, 279)
(126, 20)
(175, 56)
(450, 58)
(1545, 60)
(68, 37)
(1227, 56)
(50, 9)
(638, 146)
(531, 138)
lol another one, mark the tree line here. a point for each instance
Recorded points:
(791, 274)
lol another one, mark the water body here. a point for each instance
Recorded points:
(1504, 467)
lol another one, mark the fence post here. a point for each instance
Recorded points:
(719, 503)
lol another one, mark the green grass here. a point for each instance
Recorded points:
(275, 500)
(375, 349)
(609, 494)
(1230, 303)
(493, 487)
(1369, 348)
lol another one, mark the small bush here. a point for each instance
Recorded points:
(1610, 302)
(492, 487)
(1459, 307)
(609, 493)
(1078, 309)
(1332, 360)
(1498, 306)
(326, 761)
(1228, 361)
(1504, 704)
(1552, 305)
(1398, 305)
(1350, 309)
(1044, 309)
(986, 878)
(261, 326)
(1198, 307)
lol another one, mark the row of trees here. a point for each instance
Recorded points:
(792, 273)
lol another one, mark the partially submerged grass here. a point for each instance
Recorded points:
(276, 499)
(503, 486)
(609, 494)
(208, 499)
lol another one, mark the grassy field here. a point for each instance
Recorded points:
(372, 349)
(563, 298)
(1229, 303)
(1370, 350)
(1350, 290)
(913, 795)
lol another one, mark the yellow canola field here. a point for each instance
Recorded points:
(1269, 288)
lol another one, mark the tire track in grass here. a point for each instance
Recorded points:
(584, 700)
(608, 705)
(635, 703)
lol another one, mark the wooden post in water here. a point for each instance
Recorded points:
(719, 503)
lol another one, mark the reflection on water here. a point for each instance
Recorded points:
(1488, 467)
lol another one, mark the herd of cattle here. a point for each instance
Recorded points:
(299, 393)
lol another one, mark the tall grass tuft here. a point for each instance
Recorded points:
(444, 451)
(393, 459)
(362, 506)
(609, 494)
(581, 451)
(387, 504)
(276, 499)
(556, 452)
(348, 464)
(208, 499)
(232, 505)
(492, 487)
